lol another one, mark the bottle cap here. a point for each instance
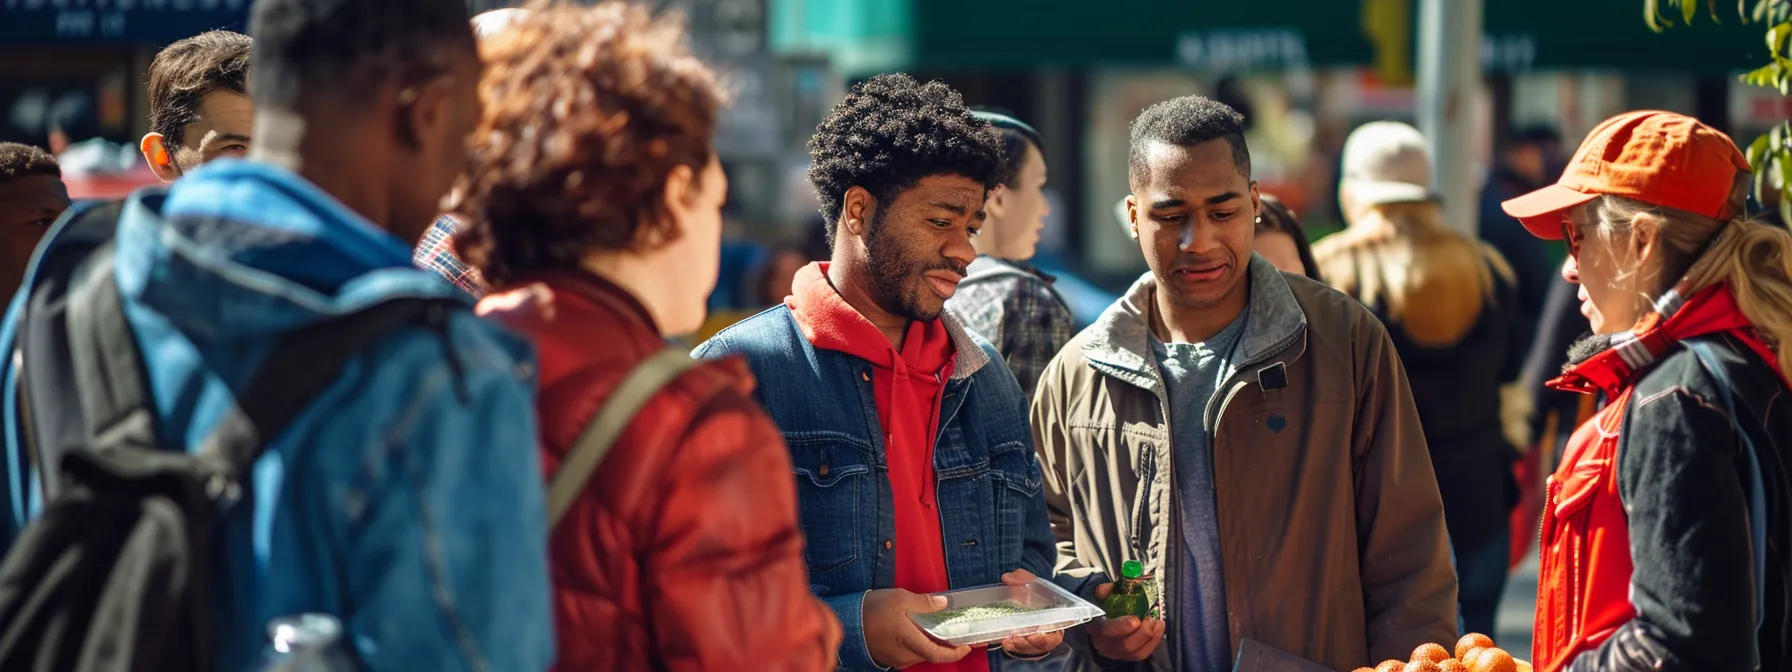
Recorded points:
(1131, 569)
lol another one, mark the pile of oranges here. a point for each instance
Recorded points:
(1475, 652)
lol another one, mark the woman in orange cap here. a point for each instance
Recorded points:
(1667, 535)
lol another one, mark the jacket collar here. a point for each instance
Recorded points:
(986, 265)
(1120, 340)
(593, 287)
(970, 356)
(239, 249)
(1708, 311)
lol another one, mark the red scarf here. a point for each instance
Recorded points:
(1711, 310)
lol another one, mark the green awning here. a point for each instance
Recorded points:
(864, 36)
(881, 35)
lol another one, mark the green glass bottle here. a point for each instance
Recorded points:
(1129, 597)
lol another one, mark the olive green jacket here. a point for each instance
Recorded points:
(1331, 528)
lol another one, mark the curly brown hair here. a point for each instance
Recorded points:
(588, 109)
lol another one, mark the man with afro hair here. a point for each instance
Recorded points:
(914, 467)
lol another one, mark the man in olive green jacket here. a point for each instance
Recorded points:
(1247, 435)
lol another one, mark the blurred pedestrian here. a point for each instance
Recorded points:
(199, 108)
(1524, 164)
(682, 549)
(1450, 306)
(1005, 299)
(32, 196)
(879, 390)
(1666, 532)
(1282, 240)
(436, 252)
(1246, 434)
(405, 499)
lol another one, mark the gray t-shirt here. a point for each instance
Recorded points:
(1192, 372)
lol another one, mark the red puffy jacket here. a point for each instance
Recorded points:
(684, 552)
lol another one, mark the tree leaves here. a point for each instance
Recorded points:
(1770, 155)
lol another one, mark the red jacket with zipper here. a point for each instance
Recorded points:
(1645, 552)
(684, 551)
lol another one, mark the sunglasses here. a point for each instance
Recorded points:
(1573, 236)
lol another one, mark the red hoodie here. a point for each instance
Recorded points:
(908, 385)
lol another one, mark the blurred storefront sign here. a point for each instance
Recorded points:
(1242, 50)
(867, 36)
(116, 21)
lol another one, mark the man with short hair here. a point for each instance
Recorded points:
(1246, 434)
(32, 196)
(907, 433)
(405, 500)
(1005, 298)
(436, 252)
(199, 109)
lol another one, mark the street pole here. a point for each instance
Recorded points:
(1449, 57)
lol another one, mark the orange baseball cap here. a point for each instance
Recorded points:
(1660, 158)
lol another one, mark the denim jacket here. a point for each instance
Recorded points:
(992, 513)
(406, 499)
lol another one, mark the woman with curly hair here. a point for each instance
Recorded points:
(595, 199)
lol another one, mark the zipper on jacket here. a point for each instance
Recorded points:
(1211, 416)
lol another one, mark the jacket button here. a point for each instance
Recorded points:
(888, 545)
(824, 470)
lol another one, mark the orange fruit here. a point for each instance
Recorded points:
(1391, 666)
(1364, 669)
(1435, 653)
(1452, 665)
(1470, 655)
(1492, 660)
(1422, 666)
(1473, 640)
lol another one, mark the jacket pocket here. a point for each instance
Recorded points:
(833, 479)
(1015, 480)
(1567, 514)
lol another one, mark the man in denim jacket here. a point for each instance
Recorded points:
(915, 471)
(406, 499)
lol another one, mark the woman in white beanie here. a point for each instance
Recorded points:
(1449, 303)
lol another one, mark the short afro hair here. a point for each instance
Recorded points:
(592, 107)
(1186, 122)
(890, 132)
(183, 73)
(18, 161)
(347, 49)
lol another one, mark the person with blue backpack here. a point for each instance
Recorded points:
(1667, 528)
(235, 399)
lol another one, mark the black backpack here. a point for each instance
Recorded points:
(115, 575)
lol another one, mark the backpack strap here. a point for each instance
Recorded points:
(1756, 489)
(645, 380)
(109, 377)
(115, 400)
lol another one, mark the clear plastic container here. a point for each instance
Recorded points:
(989, 614)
